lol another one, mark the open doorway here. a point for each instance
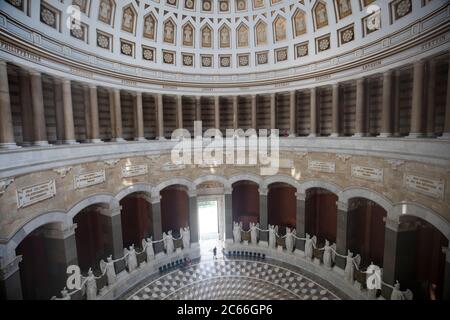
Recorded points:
(208, 219)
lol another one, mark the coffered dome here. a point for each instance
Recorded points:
(233, 36)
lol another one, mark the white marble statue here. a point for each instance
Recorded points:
(397, 294)
(373, 280)
(254, 232)
(273, 230)
(91, 286)
(130, 258)
(237, 232)
(290, 239)
(350, 264)
(328, 254)
(110, 271)
(186, 237)
(310, 243)
(148, 245)
(168, 242)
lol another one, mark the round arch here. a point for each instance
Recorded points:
(139, 187)
(329, 186)
(173, 181)
(365, 193)
(245, 177)
(424, 213)
(281, 178)
(101, 198)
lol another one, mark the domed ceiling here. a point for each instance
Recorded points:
(232, 36)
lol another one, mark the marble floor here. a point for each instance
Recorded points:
(233, 279)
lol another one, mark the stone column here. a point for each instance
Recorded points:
(193, 218)
(160, 116)
(235, 112)
(397, 104)
(7, 139)
(342, 233)
(112, 227)
(179, 112)
(112, 114)
(27, 112)
(198, 108)
(263, 217)
(431, 99)
(446, 291)
(417, 101)
(273, 106)
(117, 117)
(156, 223)
(292, 113)
(10, 284)
(61, 248)
(95, 126)
(335, 111)
(446, 133)
(253, 97)
(360, 115)
(69, 127)
(313, 115)
(217, 112)
(300, 221)
(87, 112)
(228, 192)
(39, 126)
(139, 117)
(59, 110)
(386, 119)
(399, 255)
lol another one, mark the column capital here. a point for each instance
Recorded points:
(360, 81)
(59, 231)
(335, 85)
(35, 73)
(137, 93)
(388, 73)
(342, 206)
(8, 268)
(228, 190)
(110, 212)
(192, 193)
(92, 86)
(300, 196)
(263, 191)
(155, 197)
(419, 63)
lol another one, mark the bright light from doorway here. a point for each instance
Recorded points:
(208, 220)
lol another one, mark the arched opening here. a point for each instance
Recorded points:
(174, 209)
(366, 226)
(45, 258)
(211, 210)
(92, 236)
(136, 218)
(281, 206)
(245, 199)
(321, 214)
(424, 255)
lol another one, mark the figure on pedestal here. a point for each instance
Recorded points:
(130, 258)
(91, 286)
(186, 237)
(397, 294)
(329, 254)
(351, 263)
(110, 271)
(237, 232)
(148, 246)
(254, 232)
(168, 242)
(273, 230)
(310, 243)
(290, 239)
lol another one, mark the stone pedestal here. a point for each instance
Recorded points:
(263, 217)
(300, 221)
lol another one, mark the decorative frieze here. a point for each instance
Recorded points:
(367, 173)
(89, 179)
(431, 187)
(322, 166)
(134, 170)
(28, 196)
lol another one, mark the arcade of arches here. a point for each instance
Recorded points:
(363, 113)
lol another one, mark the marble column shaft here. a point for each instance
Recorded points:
(342, 234)
(235, 112)
(431, 99)
(292, 113)
(335, 110)
(386, 112)
(27, 112)
(253, 110)
(263, 215)
(37, 98)
(360, 109)
(95, 123)
(229, 216)
(87, 112)
(179, 112)
(160, 115)
(300, 222)
(198, 108)
(193, 219)
(157, 224)
(217, 112)
(118, 129)
(139, 117)
(313, 113)
(417, 101)
(69, 127)
(7, 139)
(113, 236)
(273, 107)
(10, 283)
(446, 134)
(397, 87)
(59, 110)
(112, 113)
